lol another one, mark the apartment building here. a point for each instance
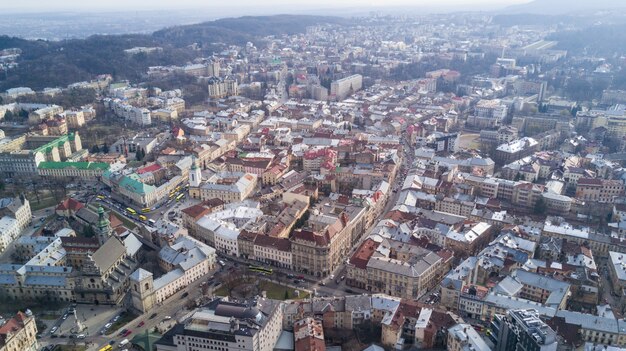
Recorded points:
(488, 114)
(319, 249)
(185, 261)
(18, 333)
(599, 190)
(394, 268)
(82, 170)
(522, 330)
(617, 271)
(227, 326)
(228, 187)
(463, 337)
(23, 159)
(342, 88)
(309, 335)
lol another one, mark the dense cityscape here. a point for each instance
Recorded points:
(382, 182)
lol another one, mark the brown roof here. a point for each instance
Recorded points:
(70, 204)
(269, 241)
(307, 235)
(114, 220)
(246, 235)
(196, 211)
(360, 258)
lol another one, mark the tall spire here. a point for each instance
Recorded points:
(103, 227)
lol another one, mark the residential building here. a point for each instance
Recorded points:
(463, 337)
(227, 326)
(18, 333)
(522, 330)
(394, 268)
(185, 261)
(81, 170)
(342, 88)
(617, 271)
(309, 335)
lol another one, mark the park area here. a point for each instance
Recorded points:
(250, 286)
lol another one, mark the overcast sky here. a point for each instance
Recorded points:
(277, 5)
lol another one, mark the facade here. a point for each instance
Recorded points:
(82, 170)
(23, 159)
(515, 150)
(463, 337)
(394, 268)
(219, 88)
(308, 335)
(617, 271)
(488, 114)
(217, 188)
(599, 190)
(185, 261)
(15, 215)
(18, 333)
(227, 326)
(342, 88)
(522, 330)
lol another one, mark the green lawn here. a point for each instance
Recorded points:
(274, 291)
(124, 319)
(45, 202)
(277, 292)
(70, 348)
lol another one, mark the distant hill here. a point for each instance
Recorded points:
(559, 7)
(241, 29)
(59, 63)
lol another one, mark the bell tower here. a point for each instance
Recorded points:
(142, 290)
(103, 227)
(195, 174)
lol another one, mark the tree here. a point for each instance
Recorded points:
(286, 294)
(540, 206)
(105, 148)
(95, 149)
(139, 154)
(88, 232)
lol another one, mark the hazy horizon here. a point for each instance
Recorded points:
(245, 6)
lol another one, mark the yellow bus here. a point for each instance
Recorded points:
(179, 197)
(177, 189)
(130, 210)
(172, 195)
(143, 218)
(145, 210)
(107, 348)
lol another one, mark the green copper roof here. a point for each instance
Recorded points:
(78, 165)
(54, 143)
(132, 183)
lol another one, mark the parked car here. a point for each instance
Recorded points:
(127, 333)
(153, 315)
(141, 324)
(122, 332)
(167, 318)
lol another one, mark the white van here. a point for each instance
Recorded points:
(123, 343)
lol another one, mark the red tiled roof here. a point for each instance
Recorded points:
(269, 241)
(70, 204)
(360, 258)
(307, 235)
(196, 211)
(148, 169)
